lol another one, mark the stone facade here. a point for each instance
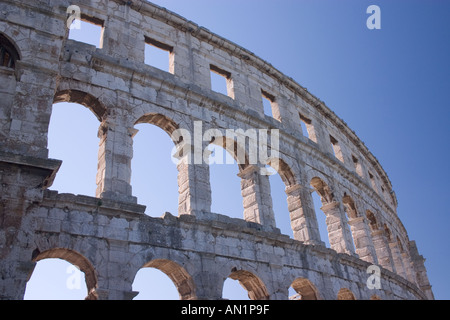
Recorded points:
(110, 238)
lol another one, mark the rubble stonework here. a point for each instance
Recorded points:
(110, 238)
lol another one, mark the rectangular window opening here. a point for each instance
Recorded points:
(372, 181)
(336, 149)
(268, 103)
(89, 30)
(387, 196)
(159, 55)
(358, 167)
(307, 128)
(221, 81)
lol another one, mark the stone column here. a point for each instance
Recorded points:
(397, 259)
(209, 279)
(14, 276)
(256, 197)
(336, 225)
(382, 249)
(114, 161)
(22, 181)
(303, 219)
(363, 243)
(194, 188)
(408, 267)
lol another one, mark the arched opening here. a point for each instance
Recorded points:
(226, 196)
(61, 274)
(154, 171)
(321, 219)
(280, 204)
(387, 233)
(153, 284)
(345, 294)
(232, 290)
(323, 190)
(338, 233)
(352, 215)
(8, 53)
(251, 283)
(83, 98)
(304, 290)
(72, 138)
(380, 240)
(322, 196)
(179, 277)
(286, 200)
(373, 224)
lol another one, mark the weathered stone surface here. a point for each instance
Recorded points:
(110, 238)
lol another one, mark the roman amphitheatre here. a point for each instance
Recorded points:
(109, 237)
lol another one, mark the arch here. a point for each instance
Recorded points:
(159, 120)
(232, 147)
(322, 188)
(350, 206)
(221, 169)
(83, 98)
(345, 294)
(76, 259)
(9, 53)
(230, 161)
(154, 174)
(380, 238)
(356, 225)
(284, 170)
(179, 276)
(360, 232)
(253, 284)
(174, 171)
(73, 137)
(387, 233)
(373, 223)
(305, 289)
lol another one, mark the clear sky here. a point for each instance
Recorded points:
(391, 86)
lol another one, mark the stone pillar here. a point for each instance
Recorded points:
(303, 219)
(114, 161)
(337, 230)
(256, 197)
(14, 275)
(397, 259)
(22, 181)
(363, 243)
(194, 188)
(407, 264)
(382, 249)
(209, 279)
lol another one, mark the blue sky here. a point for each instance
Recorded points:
(391, 86)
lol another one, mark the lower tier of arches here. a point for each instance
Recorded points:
(111, 242)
